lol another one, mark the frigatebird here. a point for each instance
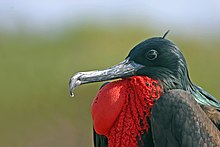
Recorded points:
(154, 103)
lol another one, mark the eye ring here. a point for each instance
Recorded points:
(152, 54)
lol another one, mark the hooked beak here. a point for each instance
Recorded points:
(124, 69)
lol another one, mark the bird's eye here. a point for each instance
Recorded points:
(151, 54)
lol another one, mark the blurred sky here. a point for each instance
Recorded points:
(188, 16)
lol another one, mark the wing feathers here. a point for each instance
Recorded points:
(178, 120)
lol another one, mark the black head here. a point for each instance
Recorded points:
(162, 60)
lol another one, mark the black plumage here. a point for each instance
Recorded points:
(177, 120)
(186, 115)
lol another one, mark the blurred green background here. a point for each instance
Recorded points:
(37, 62)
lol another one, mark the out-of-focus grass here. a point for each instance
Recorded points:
(35, 107)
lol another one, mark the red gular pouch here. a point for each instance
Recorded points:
(121, 108)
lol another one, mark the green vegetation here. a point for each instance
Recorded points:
(35, 107)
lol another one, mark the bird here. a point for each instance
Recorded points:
(151, 101)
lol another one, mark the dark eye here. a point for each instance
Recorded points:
(151, 54)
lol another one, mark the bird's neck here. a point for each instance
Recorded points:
(203, 97)
(183, 81)
(200, 95)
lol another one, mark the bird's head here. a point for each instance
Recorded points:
(157, 58)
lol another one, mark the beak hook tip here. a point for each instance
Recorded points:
(71, 94)
(71, 91)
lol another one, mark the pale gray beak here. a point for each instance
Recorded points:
(124, 69)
